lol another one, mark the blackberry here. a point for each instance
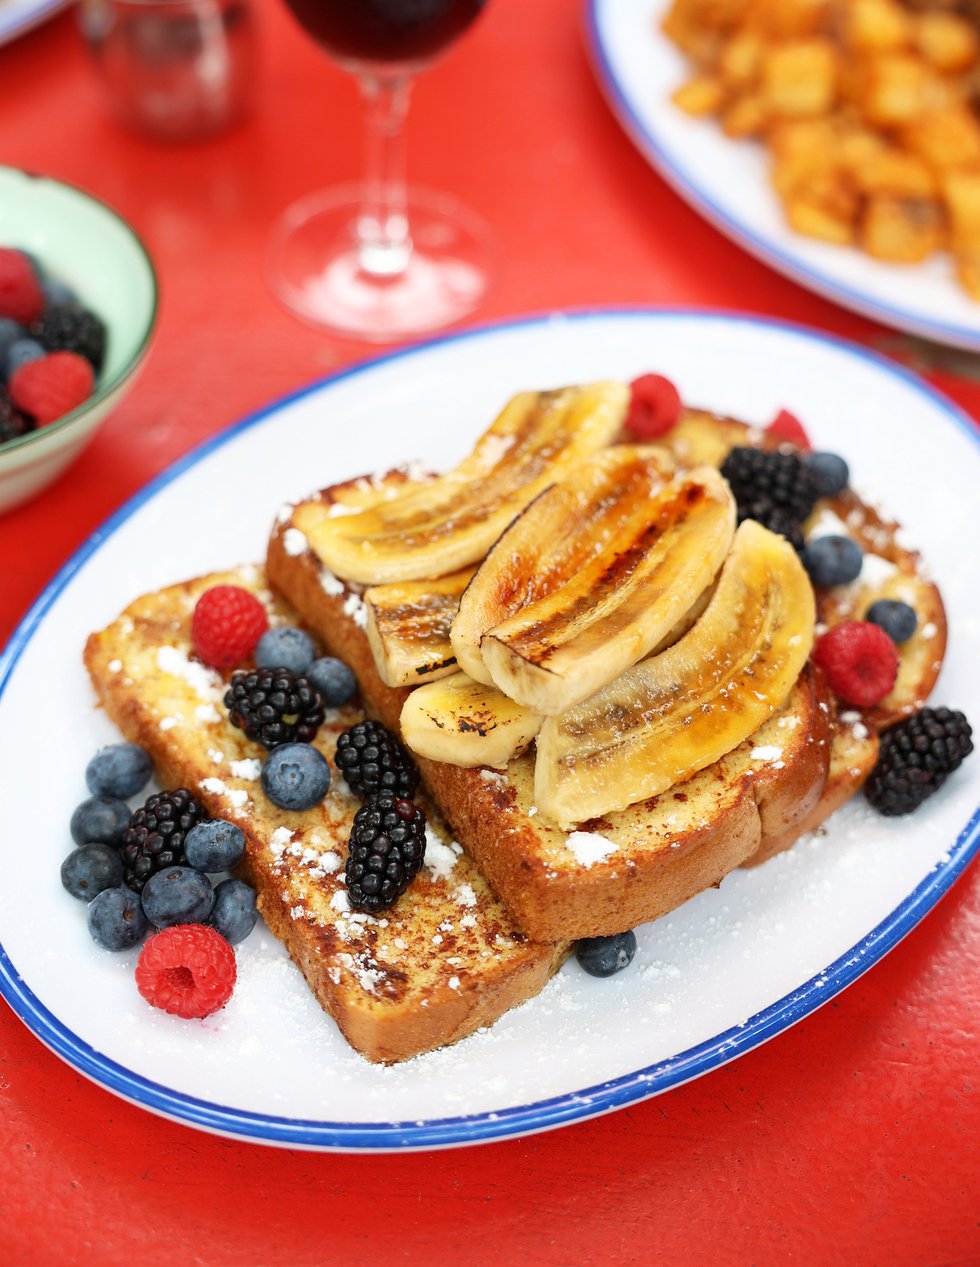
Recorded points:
(915, 759)
(12, 422)
(69, 328)
(765, 511)
(372, 760)
(782, 478)
(385, 852)
(155, 836)
(274, 706)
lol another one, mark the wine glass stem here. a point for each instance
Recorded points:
(384, 244)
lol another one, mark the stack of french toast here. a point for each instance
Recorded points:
(607, 681)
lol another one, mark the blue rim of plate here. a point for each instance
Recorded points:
(18, 19)
(684, 184)
(543, 1114)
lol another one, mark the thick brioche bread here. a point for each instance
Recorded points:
(625, 869)
(446, 960)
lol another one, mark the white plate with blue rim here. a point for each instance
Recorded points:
(717, 977)
(17, 17)
(728, 183)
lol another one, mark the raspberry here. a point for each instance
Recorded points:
(21, 296)
(655, 406)
(786, 426)
(52, 386)
(860, 661)
(227, 625)
(188, 970)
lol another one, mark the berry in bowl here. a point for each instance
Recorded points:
(78, 302)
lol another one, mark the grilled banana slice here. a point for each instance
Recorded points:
(408, 628)
(554, 537)
(452, 521)
(678, 712)
(465, 723)
(621, 590)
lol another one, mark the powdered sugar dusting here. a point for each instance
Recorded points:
(294, 542)
(589, 847)
(248, 768)
(204, 681)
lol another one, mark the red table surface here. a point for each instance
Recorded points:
(851, 1138)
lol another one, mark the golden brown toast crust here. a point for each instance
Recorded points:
(445, 961)
(666, 850)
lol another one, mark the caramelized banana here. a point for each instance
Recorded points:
(622, 591)
(555, 536)
(452, 521)
(408, 628)
(678, 712)
(466, 723)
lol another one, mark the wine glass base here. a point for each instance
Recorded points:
(315, 267)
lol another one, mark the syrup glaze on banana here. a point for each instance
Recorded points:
(678, 712)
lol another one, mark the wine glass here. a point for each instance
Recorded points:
(381, 261)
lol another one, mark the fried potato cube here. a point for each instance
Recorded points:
(801, 148)
(825, 207)
(800, 78)
(875, 26)
(895, 88)
(945, 138)
(741, 59)
(787, 19)
(704, 94)
(856, 147)
(901, 230)
(892, 171)
(745, 117)
(961, 191)
(700, 27)
(946, 40)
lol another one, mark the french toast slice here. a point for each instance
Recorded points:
(614, 873)
(446, 960)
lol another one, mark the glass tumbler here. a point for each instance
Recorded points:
(174, 69)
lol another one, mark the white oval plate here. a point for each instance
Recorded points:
(728, 183)
(722, 974)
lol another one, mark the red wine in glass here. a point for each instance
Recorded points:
(385, 30)
(380, 261)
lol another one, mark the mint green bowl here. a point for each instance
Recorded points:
(84, 243)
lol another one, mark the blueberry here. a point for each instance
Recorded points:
(605, 956)
(10, 332)
(829, 472)
(100, 819)
(898, 619)
(116, 920)
(57, 294)
(90, 869)
(120, 770)
(214, 846)
(295, 776)
(20, 352)
(832, 560)
(333, 679)
(234, 912)
(177, 895)
(285, 648)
